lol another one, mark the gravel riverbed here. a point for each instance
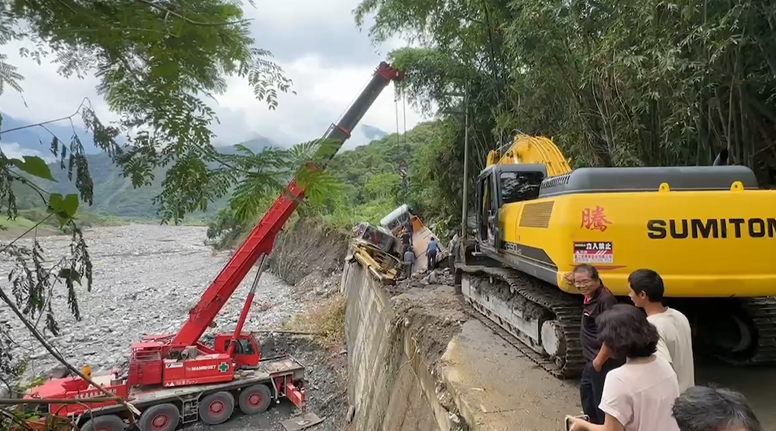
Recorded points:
(146, 278)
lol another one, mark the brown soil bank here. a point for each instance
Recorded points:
(307, 247)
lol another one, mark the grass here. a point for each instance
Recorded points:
(325, 319)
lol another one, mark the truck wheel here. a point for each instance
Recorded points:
(216, 408)
(163, 417)
(255, 399)
(104, 423)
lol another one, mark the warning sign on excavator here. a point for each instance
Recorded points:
(593, 252)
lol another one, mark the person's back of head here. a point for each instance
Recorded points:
(647, 284)
(702, 408)
(627, 332)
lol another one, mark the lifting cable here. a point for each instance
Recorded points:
(404, 112)
(396, 107)
(401, 133)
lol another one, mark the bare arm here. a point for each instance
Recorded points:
(610, 424)
(603, 354)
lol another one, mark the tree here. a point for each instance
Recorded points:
(155, 61)
(615, 83)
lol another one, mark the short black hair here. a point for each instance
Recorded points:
(589, 269)
(626, 331)
(702, 408)
(649, 282)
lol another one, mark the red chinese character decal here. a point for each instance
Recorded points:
(594, 219)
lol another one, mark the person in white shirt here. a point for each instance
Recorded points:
(675, 345)
(639, 395)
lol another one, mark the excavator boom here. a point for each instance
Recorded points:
(261, 239)
(532, 149)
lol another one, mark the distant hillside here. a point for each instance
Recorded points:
(37, 141)
(114, 195)
(373, 132)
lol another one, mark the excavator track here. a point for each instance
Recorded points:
(566, 308)
(762, 312)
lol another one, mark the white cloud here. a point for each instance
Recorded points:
(12, 150)
(323, 94)
(311, 39)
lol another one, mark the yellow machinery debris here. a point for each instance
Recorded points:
(376, 249)
(708, 230)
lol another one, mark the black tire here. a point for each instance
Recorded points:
(255, 399)
(216, 408)
(103, 423)
(162, 417)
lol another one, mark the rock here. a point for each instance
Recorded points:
(432, 278)
(5, 391)
(58, 371)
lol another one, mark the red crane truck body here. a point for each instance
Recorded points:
(176, 379)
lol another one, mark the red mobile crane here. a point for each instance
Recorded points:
(177, 379)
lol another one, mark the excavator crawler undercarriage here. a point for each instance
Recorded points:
(545, 320)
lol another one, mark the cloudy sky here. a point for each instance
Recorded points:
(317, 43)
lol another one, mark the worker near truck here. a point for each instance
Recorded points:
(453, 247)
(406, 240)
(409, 260)
(598, 358)
(675, 344)
(431, 253)
(408, 227)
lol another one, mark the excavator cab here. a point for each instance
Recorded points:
(247, 352)
(498, 185)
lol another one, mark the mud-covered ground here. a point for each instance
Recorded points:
(146, 278)
(436, 315)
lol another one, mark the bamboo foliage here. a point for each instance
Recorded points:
(642, 83)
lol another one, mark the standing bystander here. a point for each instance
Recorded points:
(675, 345)
(707, 409)
(453, 246)
(639, 395)
(598, 358)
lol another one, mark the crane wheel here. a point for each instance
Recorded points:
(162, 417)
(216, 408)
(104, 423)
(255, 399)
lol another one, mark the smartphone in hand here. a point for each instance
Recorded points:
(568, 420)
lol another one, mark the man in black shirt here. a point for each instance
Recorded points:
(406, 241)
(597, 356)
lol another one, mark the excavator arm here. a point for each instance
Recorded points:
(531, 149)
(259, 242)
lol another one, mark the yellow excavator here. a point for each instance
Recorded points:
(708, 230)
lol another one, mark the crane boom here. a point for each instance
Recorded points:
(261, 239)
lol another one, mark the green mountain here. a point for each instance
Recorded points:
(115, 195)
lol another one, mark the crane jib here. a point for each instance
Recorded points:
(262, 237)
(712, 228)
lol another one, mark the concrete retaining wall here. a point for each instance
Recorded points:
(388, 383)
